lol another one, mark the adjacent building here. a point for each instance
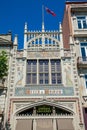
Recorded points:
(75, 27)
(47, 80)
(6, 44)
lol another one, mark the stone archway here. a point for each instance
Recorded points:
(44, 116)
(46, 103)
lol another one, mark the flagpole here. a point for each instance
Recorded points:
(42, 13)
(42, 18)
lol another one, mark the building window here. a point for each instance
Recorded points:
(55, 71)
(46, 40)
(31, 72)
(86, 80)
(83, 46)
(82, 22)
(86, 110)
(43, 71)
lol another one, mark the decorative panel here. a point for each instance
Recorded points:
(43, 54)
(44, 90)
(19, 74)
(67, 73)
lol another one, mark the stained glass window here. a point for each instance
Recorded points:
(31, 72)
(55, 71)
(43, 71)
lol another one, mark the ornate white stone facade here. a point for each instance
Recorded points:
(45, 88)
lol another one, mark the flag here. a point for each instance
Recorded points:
(50, 11)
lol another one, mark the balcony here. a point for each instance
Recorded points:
(80, 32)
(82, 62)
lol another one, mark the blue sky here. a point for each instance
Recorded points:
(14, 14)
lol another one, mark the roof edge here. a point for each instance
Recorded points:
(76, 2)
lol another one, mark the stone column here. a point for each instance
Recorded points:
(82, 85)
(54, 124)
(37, 71)
(54, 112)
(49, 71)
(34, 124)
(34, 111)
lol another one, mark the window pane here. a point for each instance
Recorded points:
(49, 41)
(36, 41)
(28, 79)
(41, 81)
(46, 81)
(59, 81)
(40, 41)
(56, 71)
(53, 81)
(81, 17)
(59, 74)
(32, 42)
(31, 77)
(86, 110)
(84, 24)
(86, 84)
(79, 25)
(43, 71)
(86, 80)
(83, 52)
(86, 77)
(46, 75)
(83, 44)
(41, 75)
(34, 78)
(46, 41)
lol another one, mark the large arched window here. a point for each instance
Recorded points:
(46, 68)
(44, 110)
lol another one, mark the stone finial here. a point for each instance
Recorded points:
(15, 40)
(25, 35)
(25, 27)
(71, 40)
(43, 27)
(60, 26)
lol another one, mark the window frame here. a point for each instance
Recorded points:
(85, 77)
(80, 22)
(41, 69)
(83, 46)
